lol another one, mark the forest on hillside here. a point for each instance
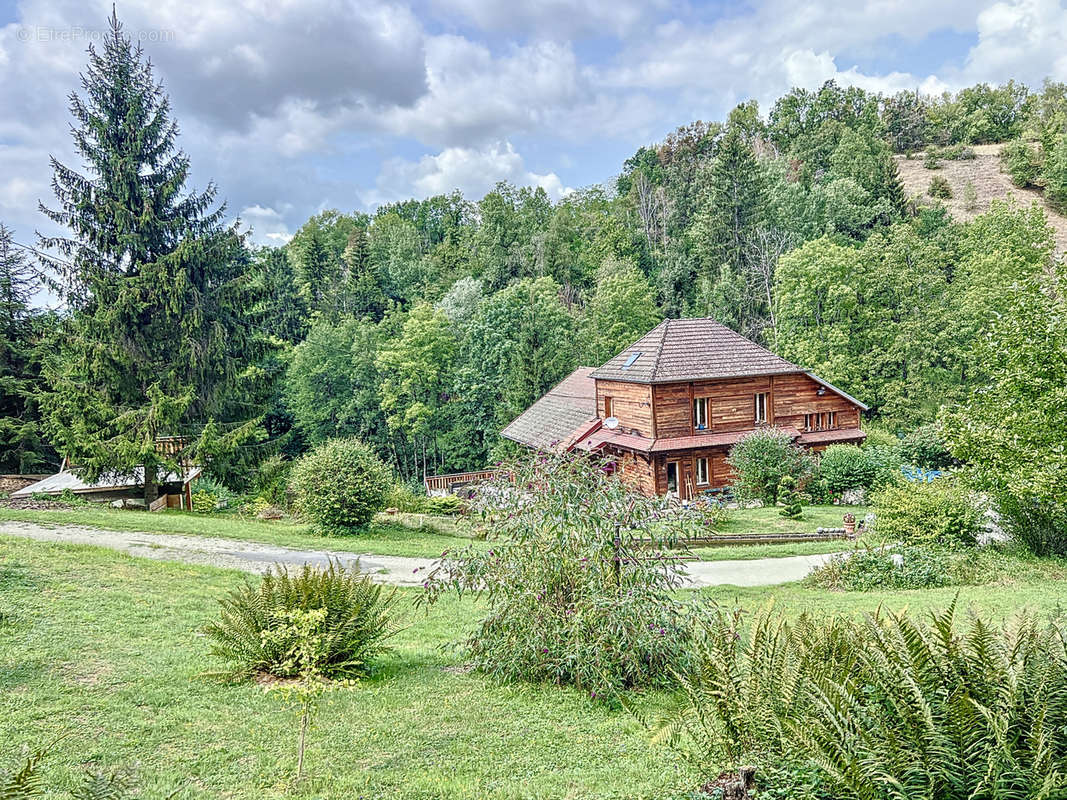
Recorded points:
(426, 326)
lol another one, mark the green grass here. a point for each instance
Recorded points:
(106, 648)
(747, 552)
(403, 535)
(422, 535)
(769, 520)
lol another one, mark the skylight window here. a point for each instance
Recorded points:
(631, 359)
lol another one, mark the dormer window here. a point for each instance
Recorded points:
(760, 414)
(700, 414)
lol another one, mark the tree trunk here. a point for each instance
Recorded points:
(151, 485)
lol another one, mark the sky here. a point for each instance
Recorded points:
(293, 107)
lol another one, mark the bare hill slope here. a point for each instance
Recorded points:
(989, 183)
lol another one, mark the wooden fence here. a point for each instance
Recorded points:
(446, 484)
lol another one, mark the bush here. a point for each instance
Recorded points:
(250, 632)
(970, 196)
(934, 513)
(925, 448)
(955, 152)
(931, 161)
(210, 495)
(404, 497)
(1039, 526)
(940, 188)
(844, 467)
(879, 437)
(1020, 160)
(886, 463)
(1054, 175)
(565, 603)
(790, 500)
(881, 707)
(905, 567)
(204, 502)
(445, 504)
(340, 485)
(762, 458)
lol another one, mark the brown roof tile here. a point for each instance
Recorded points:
(555, 418)
(692, 349)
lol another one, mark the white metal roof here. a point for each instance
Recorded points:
(67, 480)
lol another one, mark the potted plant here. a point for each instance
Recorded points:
(850, 523)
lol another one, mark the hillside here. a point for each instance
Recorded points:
(989, 183)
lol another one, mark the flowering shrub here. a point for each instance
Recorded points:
(579, 581)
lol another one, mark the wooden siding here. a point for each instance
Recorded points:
(674, 410)
(636, 472)
(666, 410)
(797, 395)
(719, 473)
(631, 404)
(732, 404)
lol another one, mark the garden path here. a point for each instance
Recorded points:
(255, 557)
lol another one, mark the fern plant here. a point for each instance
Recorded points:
(359, 620)
(885, 707)
(25, 782)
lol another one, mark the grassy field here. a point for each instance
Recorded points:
(420, 535)
(403, 535)
(106, 649)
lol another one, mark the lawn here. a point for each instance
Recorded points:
(422, 535)
(770, 520)
(402, 535)
(105, 648)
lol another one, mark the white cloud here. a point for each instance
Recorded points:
(472, 171)
(268, 225)
(559, 19)
(1025, 39)
(297, 105)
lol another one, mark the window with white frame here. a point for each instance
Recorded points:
(761, 408)
(702, 472)
(700, 413)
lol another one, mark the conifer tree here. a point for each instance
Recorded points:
(158, 340)
(20, 444)
(363, 289)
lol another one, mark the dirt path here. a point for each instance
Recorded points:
(397, 570)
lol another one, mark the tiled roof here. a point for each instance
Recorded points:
(692, 349)
(642, 444)
(836, 435)
(555, 418)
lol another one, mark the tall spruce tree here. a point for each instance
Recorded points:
(363, 290)
(159, 342)
(21, 448)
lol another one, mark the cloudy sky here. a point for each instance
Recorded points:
(294, 106)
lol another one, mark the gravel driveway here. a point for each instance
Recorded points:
(397, 570)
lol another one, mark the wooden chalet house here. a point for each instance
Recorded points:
(669, 407)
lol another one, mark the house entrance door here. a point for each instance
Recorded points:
(672, 478)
